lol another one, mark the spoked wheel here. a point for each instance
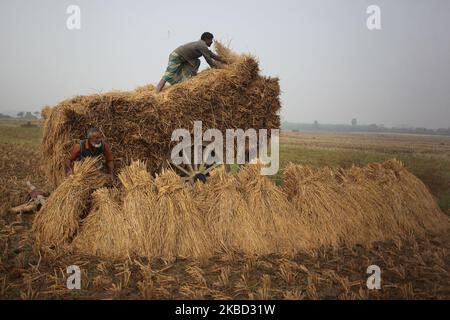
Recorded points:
(190, 172)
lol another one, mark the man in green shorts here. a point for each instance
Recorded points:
(184, 61)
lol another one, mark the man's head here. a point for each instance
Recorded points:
(208, 38)
(95, 137)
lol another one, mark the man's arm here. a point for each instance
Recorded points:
(210, 61)
(217, 58)
(69, 167)
(109, 159)
(207, 55)
(74, 153)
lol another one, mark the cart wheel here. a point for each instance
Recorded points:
(194, 172)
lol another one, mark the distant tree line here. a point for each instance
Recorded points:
(355, 127)
(4, 116)
(24, 115)
(28, 115)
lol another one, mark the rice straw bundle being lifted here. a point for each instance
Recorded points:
(226, 53)
(139, 207)
(58, 220)
(273, 215)
(228, 216)
(362, 205)
(177, 227)
(139, 124)
(106, 231)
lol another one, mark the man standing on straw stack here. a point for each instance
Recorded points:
(93, 146)
(184, 61)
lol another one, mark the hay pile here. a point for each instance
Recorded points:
(245, 212)
(58, 220)
(153, 218)
(139, 124)
(362, 205)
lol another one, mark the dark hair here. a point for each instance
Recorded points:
(91, 131)
(207, 35)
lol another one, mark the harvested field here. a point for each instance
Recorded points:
(415, 268)
(18, 164)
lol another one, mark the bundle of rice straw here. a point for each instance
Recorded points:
(273, 215)
(362, 205)
(139, 124)
(106, 231)
(327, 210)
(58, 220)
(139, 207)
(418, 211)
(176, 227)
(227, 214)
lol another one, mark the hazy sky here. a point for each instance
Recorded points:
(332, 68)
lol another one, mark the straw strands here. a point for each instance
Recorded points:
(58, 220)
(154, 219)
(272, 213)
(228, 216)
(138, 207)
(105, 232)
(245, 212)
(362, 205)
(177, 226)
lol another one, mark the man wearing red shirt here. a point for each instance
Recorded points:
(94, 146)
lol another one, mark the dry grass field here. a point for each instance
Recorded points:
(412, 268)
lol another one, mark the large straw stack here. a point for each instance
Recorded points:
(139, 124)
(362, 205)
(58, 220)
(246, 212)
